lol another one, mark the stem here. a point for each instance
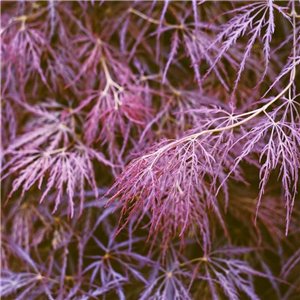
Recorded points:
(107, 75)
(56, 151)
(204, 259)
(111, 83)
(151, 20)
(196, 135)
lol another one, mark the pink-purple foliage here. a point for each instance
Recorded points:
(150, 150)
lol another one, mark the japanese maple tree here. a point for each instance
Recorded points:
(150, 150)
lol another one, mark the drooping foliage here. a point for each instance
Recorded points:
(150, 150)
